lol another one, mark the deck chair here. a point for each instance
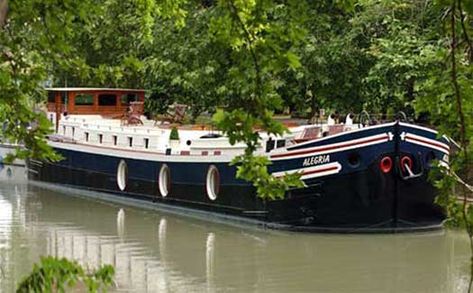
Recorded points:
(176, 114)
(133, 114)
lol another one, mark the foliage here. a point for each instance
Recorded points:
(57, 275)
(448, 97)
(447, 94)
(34, 34)
(402, 37)
(261, 36)
(249, 58)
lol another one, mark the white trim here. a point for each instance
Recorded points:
(342, 133)
(418, 127)
(141, 154)
(336, 165)
(409, 137)
(313, 151)
(426, 145)
(86, 89)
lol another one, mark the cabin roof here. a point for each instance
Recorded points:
(90, 89)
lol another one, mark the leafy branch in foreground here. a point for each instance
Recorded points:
(261, 38)
(57, 275)
(448, 96)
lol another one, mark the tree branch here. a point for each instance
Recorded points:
(248, 38)
(3, 12)
(465, 32)
(463, 138)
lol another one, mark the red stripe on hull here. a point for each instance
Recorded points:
(429, 142)
(329, 147)
(320, 170)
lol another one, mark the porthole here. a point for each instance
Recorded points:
(213, 182)
(164, 180)
(122, 175)
(354, 160)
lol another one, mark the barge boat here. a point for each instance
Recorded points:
(357, 178)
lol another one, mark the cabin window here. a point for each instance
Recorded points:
(51, 97)
(107, 100)
(73, 131)
(84, 100)
(115, 139)
(270, 144)
(128, 98)
(146, 143)
(86, 136)
(130, 141)
(64, 130)
(64, 98)
(281, 143)
(100, 138)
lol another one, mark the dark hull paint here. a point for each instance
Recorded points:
(359, 199)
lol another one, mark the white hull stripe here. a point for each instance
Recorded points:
(139, 155)
(347, 132)
(336, 147)
(426, 142)
(418, 127)
(312, 172)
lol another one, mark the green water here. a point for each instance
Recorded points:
(161, 253)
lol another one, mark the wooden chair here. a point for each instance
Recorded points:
(176, 115)
(133, 114)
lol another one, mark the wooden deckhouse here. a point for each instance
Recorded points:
(110, 102)
(98, 101)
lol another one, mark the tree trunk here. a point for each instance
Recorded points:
(3, 12)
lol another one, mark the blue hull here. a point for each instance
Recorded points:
(346, 187)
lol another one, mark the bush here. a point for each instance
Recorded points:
(174, 134)
(55, 275)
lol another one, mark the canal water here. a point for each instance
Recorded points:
(156, 252)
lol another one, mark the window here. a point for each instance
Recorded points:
(86, 136)
(146, 143)
(73, 131)
(100, 138)
(63, 98)
(130, 141)
(84, 100)
(51, 97)
(127, 98)
(281, 143)
(64, 130)
(115, 140)
(107, 100)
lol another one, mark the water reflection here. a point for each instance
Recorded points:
(160, 253)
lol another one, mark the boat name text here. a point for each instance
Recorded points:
(316, 160)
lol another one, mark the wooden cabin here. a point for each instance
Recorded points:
(98, 101)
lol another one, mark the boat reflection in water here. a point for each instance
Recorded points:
(161, 253)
